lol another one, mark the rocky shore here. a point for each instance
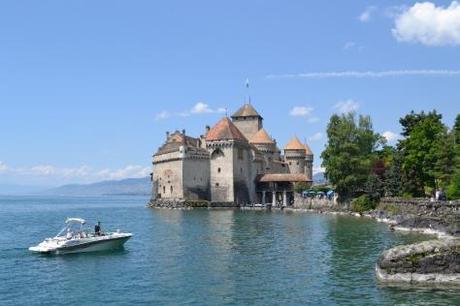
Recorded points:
(433, 261)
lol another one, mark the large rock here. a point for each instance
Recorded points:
(433, 261)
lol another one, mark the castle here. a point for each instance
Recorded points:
(234, 162)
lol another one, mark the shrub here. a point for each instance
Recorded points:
(363, 203)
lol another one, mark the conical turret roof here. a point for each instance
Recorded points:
(224, 130)
(247, 110)
(261, 137)
(294, 144)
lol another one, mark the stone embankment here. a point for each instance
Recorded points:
(420, 215)
(188, 204)
(433, 261)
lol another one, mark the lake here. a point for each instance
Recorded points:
(199, 257)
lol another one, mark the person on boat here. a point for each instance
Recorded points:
(97, 228)
(69, 234)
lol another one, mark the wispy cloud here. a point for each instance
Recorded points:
(198, 109)
(429, 24)
(304, 112)
(3, 167)
(366, 16)
(346, 106)
(367, 74)
(301, 111)
(316, 137)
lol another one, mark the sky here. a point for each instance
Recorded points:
(88, 89)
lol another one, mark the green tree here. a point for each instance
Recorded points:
(349, 153)
(453, 191)
(445, 164)
(420, 151)
(392, 178)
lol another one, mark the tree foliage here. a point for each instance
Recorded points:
(420, 150)
(349, 153)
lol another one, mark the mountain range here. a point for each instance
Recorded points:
(130, 186)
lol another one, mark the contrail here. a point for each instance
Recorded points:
(365, 74)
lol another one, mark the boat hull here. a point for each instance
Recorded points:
(96, 246)
(85, 246)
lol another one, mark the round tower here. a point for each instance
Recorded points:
(294, 154)
(308, 162)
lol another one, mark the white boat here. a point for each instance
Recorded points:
(74, 238)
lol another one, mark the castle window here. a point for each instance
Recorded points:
(164, 189)
(240, 154)
(218, 170)
(217, 184)
(171, 189)
(241, 170)
(297, 163)
(290, 163)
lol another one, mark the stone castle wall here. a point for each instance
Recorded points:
(248, 126)
(196, 179)
(221, 173)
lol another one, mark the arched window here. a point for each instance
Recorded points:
(217, 153)
(171, 189)
(218, 170)
(164, 189)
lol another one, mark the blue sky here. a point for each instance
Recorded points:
(88, 88)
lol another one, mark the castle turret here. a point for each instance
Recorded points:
(308, 162)
(294, 154)
(247, 120)
(231, 164)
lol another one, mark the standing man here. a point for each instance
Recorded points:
(97, 228)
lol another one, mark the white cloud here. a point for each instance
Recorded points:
(318, 169)
(201, 108)
(197, 109)
(367, 14)
(347, 106)
(305, 112)
(390, 136)
(315, 137)
(130, 171)
(429, 24)
(3, 167)
(367, 74)
(162, 115)
(301, 111)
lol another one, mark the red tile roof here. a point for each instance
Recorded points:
(224, 130)
(283, 177)
(295, 144)
(262, 137)
(247, 110)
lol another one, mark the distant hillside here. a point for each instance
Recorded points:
(133, 186)
(319, 178)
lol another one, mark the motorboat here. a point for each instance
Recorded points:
(75, 238)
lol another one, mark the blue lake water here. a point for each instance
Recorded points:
(199, 257)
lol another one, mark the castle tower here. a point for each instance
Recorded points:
(247, 120)
(266, 145)
(231, 164)
(308, 162)
(294, 154)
